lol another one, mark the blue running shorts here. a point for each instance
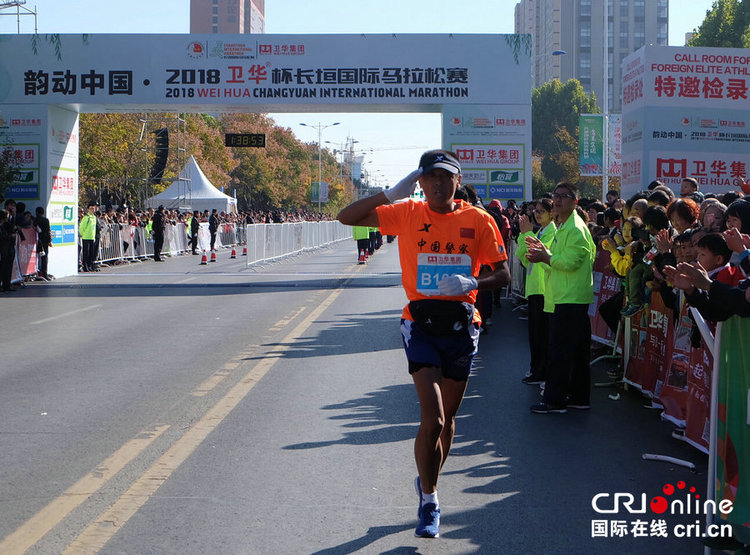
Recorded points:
(453, 354)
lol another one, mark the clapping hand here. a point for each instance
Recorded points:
(688, 276)
(679, 280)
(524, 224)
(608, 245)
(736, 241)
(537, 251)
(697, 274)
(663, 241)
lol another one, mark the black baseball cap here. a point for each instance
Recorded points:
(444, 159)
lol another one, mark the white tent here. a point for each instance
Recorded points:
(193, 191)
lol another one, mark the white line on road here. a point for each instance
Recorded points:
(65, 314)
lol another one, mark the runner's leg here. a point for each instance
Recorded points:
(427, 449)
(452, 392)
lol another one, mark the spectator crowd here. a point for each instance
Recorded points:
(95, 221)
(688, 247)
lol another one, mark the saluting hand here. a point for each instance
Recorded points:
(404, 188)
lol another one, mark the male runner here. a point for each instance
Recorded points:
(443, 242)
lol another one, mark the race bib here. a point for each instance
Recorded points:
(431, 268)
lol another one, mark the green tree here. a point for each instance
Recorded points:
(555, 109)
(727, 25)
(116, 155)
(110, 155)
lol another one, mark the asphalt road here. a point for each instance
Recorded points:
(177, 408)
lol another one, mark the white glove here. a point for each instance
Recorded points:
(404, 188)
(456, 285)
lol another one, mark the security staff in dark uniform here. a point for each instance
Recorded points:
(44, 241)
(213, 226)
(158, 231)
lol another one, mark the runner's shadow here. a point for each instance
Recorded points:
(346, 335)
(373, 534)
(381, 412)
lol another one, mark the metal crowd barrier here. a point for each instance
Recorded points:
(128, 243)
(267, 242)
(517, 272)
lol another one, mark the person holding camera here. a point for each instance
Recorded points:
(443, 242)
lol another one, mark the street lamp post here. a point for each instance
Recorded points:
(344, 147)
(546, 56)
(320, 128)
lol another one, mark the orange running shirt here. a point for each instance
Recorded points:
(432, 245)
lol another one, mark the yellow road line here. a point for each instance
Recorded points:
(50, 516)
(99, 532)
(285, 321)
(215, 379)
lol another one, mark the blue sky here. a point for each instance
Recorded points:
(396, 139)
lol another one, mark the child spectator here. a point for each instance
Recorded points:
(628, 261)
(713, 254)
(639, 272)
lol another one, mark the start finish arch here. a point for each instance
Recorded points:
(481, 84)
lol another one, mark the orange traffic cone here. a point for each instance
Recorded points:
(362, 259)
(244, 250)
(213, 256)
(204, 259)
(234, 253)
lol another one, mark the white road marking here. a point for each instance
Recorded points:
(65, 314)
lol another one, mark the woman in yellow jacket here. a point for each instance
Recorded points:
(536, 277)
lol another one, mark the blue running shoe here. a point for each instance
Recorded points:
(429, 522)
(418, 487)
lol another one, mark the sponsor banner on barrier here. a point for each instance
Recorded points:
(661, 329)
(662, 364)
(648, 335)
(733, 424)
(698, 406)
(26, 252)
(25, 261)
(606, 285)
(674, 392)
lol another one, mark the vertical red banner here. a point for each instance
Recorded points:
(698, 406)
(674, 392)
(606, 285)
(650, 333)
(26, 251)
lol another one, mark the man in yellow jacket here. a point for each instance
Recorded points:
(87, 232)
(362, 237)
(571, 289)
